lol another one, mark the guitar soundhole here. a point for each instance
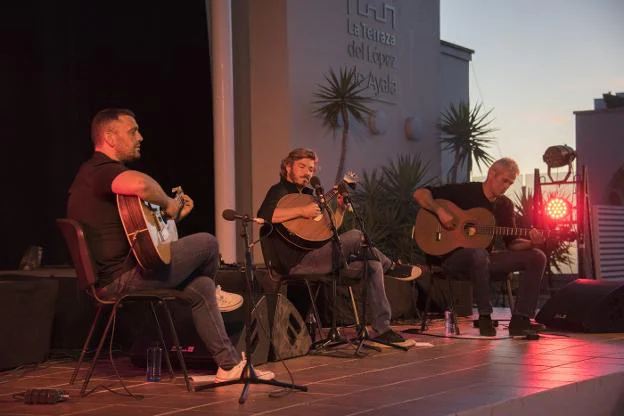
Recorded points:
(470, 229)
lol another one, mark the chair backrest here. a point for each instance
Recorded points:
(79, 250)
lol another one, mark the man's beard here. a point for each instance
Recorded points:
(293, 179)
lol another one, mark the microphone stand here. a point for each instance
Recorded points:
(248, 375)
(333, 337)
(366, 254)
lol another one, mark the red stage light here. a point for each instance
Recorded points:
(557, 208)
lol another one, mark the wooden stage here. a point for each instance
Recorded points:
(561, 373)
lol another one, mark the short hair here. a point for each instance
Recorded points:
(103, 117)
(507, 164)
(296, 154)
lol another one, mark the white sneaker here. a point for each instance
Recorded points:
(227, 301)
(235, 372)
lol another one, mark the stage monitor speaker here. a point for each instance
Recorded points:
(193, 348)
(27, 311)
(290, 335)
(586, 305)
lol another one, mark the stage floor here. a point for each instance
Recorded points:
(572, 374)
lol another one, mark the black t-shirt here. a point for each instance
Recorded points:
(92, 203)
(282, 255)
(470, 195)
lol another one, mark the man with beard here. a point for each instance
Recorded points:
(296, 170)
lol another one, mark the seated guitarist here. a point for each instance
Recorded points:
(478, 263)
(194, 258)
(295, 173)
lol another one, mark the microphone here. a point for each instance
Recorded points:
(316, 184)
(231, 215)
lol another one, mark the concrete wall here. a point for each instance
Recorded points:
(453, 88)
(600, 147)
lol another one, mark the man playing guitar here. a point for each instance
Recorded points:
(194, 259)
(296, 170)
(478, 263)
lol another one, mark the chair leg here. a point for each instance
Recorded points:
(452, 303)
(512, 303)
(85, 346)
(162, 340)
(356, 315)
(425, 315)
(414, 288)
(315, 311)
(99, 349)
(176, 343)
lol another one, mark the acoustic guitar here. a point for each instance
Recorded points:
(311, 233)
(149, 231)
(474, 228)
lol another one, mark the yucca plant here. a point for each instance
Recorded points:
(465, 133)
(383, 198)
(343, 97)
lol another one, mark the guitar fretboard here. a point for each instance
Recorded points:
(330, 195)
(349, 179)
(496, 230)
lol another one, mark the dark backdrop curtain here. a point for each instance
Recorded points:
(62, 61)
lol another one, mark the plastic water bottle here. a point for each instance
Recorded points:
(154, 362)
(449, 323)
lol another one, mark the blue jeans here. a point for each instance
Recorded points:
(319, 261)
(478, 264)
(194, 264)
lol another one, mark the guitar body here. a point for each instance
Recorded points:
(149, 234)
(304, 233)
(436, 240)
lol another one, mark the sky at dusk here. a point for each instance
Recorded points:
(535, 63)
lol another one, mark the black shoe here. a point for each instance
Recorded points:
(394, 338)
(486, 326)
(405, 272)
(520, 325)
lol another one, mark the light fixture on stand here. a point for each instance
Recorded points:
(557, 157)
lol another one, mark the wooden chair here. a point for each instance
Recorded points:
(83, 263)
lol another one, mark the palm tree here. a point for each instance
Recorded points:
(464, 132)
(384, 200)
(341, 99)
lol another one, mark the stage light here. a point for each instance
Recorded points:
(557, 157)
(557, 209)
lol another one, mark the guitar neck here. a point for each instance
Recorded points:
(504, 231)
(330, 194)
(179, 193)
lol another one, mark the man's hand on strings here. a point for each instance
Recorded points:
(311, 210)
(446, 219)
(537, 237)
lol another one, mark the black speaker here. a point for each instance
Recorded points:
(27, 310)
(193, 348)
(290, 335)
(586, 305)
